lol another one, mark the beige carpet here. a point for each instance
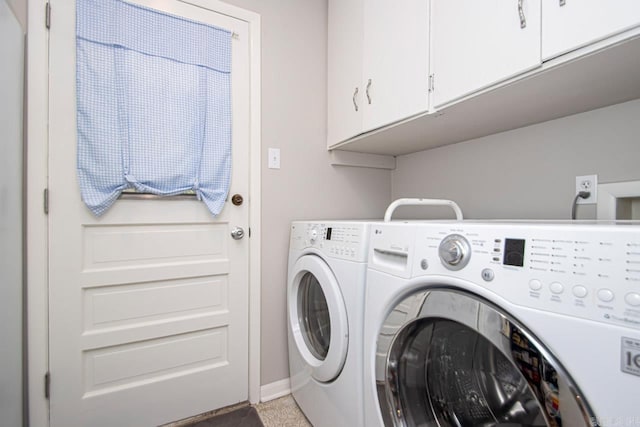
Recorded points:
(246, 416)
(282, 412)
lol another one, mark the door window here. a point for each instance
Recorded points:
(315, 322)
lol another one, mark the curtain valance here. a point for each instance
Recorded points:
(153, 104)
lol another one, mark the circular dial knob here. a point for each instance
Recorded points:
(454, 252)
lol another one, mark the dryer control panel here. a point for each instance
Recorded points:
(590, 271)
(339, 239)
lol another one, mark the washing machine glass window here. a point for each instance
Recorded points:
(457, 360)
(314, 316)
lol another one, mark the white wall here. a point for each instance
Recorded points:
(11, 95)
(294, 104)
(527, 173)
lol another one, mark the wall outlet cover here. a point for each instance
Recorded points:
(587, 183)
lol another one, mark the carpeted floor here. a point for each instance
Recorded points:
(246, 416)
(282, 412)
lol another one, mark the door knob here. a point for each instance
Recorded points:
(237, 199)
(237, 233)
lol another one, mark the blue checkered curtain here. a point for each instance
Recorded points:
(153, 104)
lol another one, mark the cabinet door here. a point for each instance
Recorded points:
(396, 61)
(345, 91)
(478, 43)
(580, 22)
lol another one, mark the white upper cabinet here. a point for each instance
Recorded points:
(346, 40)
(396, 60)
(476, 44)
(571, 24)
(410, 75)
(378, 69)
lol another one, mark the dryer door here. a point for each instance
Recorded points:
(318, 317)
(457, 360)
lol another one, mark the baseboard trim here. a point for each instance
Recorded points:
(275, 390)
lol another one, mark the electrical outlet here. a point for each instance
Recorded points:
(587, 183)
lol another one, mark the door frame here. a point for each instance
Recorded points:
(36, 151)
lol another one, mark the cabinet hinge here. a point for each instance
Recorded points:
(431, 82)
(47, 385)
(47, 15)
(46, 201)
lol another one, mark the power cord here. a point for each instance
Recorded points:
(580, 195)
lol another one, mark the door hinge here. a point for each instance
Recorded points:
(46, 201)
(431, 82)
(47, 15)
(47, 385)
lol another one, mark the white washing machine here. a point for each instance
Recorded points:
(325, 301)
(502, 324)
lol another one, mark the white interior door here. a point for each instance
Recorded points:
(148, 306)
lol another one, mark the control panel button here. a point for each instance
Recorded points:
(424, 264)
(556, 288)
(487, 274)
(605, 295)
(535, 285)
(580, 291)
(633, 299)
(313, 235)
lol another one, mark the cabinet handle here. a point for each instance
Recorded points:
(562, 3)
(355, 102)
(367, 91)
(523, 19)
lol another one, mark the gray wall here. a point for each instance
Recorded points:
(19, 8)
(11, 85)
(527, 173)
(294, 104)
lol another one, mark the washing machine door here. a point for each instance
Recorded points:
(318, 317)
(454, 359)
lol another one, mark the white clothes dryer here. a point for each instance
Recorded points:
(325, 302)
(502, 324)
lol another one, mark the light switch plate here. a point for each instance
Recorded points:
(274, 158)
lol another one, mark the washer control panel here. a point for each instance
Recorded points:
(339, 239)
(590, 271)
